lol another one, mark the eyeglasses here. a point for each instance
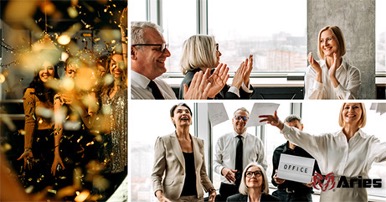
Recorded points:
(255, 173)
(217, 47)
(244, 118)
(162, 47)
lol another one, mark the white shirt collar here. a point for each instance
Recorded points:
(139, 79)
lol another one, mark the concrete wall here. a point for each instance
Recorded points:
(357, 22)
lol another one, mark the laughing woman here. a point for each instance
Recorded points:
(332, 77)
(179, 172)
(348, 152)
(38, 105)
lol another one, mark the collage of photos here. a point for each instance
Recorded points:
(64, 100)
(229, 100)
(257, 100)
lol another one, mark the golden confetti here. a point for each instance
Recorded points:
(68, 84)
(108, 79)
(64, 39)
(44, 112)
(100, 182)
(2, 78)
(29, 189)
(6, 147)
(82, 196)
(72, 12)
(8, 122)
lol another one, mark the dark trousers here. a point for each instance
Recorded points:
(227, 190)
(284, 196)
(42, 148)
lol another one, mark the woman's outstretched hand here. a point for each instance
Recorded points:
(28, 158)
(273, 120)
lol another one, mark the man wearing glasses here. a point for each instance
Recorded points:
(234, 151)
(148, 54)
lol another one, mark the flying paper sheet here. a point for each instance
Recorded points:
(378, 107)
(295, 168)
(261, 109)
(217, 113)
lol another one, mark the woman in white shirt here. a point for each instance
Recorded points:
(349, 152)
(331, 77)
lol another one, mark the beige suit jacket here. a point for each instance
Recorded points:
(169, 167)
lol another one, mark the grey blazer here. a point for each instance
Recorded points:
(169, 167)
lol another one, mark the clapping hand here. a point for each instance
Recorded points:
(315, 65)
(333, 67)
(238, 79)
(218, 79)
(199, 87)
(249, 67)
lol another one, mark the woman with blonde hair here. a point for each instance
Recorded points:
(201, 53)
(253, 186)
(347, 153)
(332, 77)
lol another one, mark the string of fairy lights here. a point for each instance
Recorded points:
(62, 41)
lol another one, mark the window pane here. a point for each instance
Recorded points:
(138, 10)
(273, 138)
(380, 29)
(178, 25)
(274, 34)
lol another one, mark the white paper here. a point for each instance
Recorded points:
(378, 107)
(295, 168)
(217, 113)
(261, 109)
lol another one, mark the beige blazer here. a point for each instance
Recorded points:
(169, 167)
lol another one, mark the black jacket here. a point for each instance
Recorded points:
(291, 185)
(242, 198)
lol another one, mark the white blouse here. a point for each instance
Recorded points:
(348, 76)
(335, 154)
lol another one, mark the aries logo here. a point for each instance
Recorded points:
(319, 181)
(328, 182)
(359, 182)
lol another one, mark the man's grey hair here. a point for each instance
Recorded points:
(292, 117)
(241, 109)
(137, 31)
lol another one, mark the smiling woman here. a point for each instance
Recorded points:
(38, 39)
(348, 152)
(179, 172)
(332, 77)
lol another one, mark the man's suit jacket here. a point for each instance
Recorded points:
(169, 167)
(242, 198)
